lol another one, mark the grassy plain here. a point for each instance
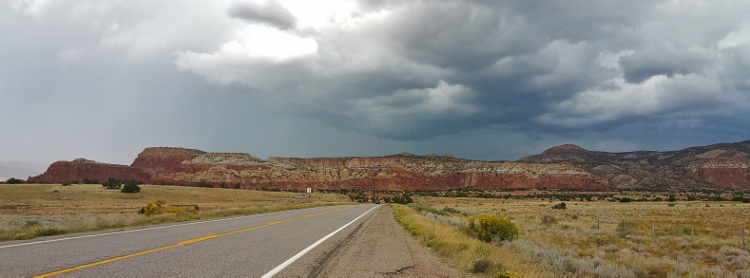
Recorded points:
(30, 210)
(607, 239)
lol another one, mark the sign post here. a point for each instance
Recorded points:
(309, 196)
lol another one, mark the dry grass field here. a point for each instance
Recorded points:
(612, 239)
(30, 210)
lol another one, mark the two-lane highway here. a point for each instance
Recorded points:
(249, 246)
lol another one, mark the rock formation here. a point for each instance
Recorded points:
(80, 169)
(724, 165)
(562, 167)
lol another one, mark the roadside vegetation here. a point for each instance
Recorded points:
(447, 235)
(589, 238)
(34, 210)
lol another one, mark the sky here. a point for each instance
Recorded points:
(487, 80)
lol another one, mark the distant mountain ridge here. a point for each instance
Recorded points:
(724, 165)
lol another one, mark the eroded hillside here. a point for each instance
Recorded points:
(561, 167)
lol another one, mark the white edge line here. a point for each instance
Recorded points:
(146, 229)
(303, 252)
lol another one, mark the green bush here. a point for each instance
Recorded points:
(489, 227)
(131, 187)
(112, 183)
(88, 181)
(14, 181)
(203, 183)
(481, 266)
(404, 199)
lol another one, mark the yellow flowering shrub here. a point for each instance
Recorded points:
(488, 227)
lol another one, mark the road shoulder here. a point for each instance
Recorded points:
(382, 248)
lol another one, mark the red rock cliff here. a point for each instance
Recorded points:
(80, 169)
(378, 173)
(562, 167)
(163, 160)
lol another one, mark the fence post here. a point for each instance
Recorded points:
(743, 239)
(597, 223)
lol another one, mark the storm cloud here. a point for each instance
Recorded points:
(478, 79)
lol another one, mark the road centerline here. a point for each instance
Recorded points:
(138, 230)
(183, 243)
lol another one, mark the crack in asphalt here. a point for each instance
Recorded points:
(398, 271)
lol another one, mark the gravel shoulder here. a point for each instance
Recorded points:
(382, 248)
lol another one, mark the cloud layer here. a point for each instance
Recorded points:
(510, 77)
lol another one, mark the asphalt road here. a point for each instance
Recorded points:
(249, 246)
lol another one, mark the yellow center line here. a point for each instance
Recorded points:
(183, 243)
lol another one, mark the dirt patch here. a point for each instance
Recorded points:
(383, 249)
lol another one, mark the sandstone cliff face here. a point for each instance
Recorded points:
(78, 170)
(163, 160)
(371, 178)
(726, 178)
(726, 167)
(225, 158)
(398, 172)
(562, 167)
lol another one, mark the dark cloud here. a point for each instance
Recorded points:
(454, 35)
(478, 79)
(270, 13)
(661, 58)
(530, 66)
